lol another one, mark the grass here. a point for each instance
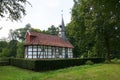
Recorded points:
(86, 72)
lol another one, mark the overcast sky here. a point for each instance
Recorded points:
(41, 15)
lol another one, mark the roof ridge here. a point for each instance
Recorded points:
(45, 34)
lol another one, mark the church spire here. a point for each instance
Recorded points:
(63, 31)
(62, 24)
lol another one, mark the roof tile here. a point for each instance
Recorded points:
(45, 39)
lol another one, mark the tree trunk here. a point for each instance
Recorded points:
(107, 45)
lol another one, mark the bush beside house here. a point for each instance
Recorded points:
(4, 61)
(51, 64)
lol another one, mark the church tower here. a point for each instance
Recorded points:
(62, 32)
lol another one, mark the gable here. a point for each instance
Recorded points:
(27, 37)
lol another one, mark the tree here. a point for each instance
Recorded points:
(20, 50)
(3, 44)
(97, 25)
(52, 30)
(106, 23)
(12, 47)
(12, 9)
(3, 49)
(12, 35)
(5, 53)
(79, 31)
(20, 33)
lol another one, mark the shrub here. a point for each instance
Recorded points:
(115, 60)
(4, 61)
(89, 62)
(23, 63)
(108, 62)
(51, 64)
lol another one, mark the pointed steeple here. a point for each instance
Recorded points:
(62, 31)
(62, 24)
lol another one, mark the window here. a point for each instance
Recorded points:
(29, 48)
(57, 49)
(34, 48)
(42, 49)
(29, 53)
(49, 48)
(63, 50)
(53, 50)
(60, 51)
(66, 50)
(39, 48)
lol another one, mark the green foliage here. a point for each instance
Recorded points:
(95, 27)
(4, 61)
(12, 47)
(20, 53)
(115, 59)
(15, 48)
(107, 62)
(52, 30)
(12, 9)
(21, 32)
(20, 50)
(79, 30)
(3, 44)
(23, 63)
(89, 62)
(5, 53)
(51, 64)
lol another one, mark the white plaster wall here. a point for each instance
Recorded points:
(41, 55)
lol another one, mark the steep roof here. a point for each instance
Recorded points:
(45, 39)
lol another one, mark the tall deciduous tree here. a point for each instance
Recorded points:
(20, 33)
(96, 24)
(79, 30)
(106, 22)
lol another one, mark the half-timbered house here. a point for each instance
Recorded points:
(39, 45)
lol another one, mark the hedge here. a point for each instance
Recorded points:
(51, 64)
(4, 61)
(23, 63)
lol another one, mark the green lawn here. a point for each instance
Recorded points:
(86, 72)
